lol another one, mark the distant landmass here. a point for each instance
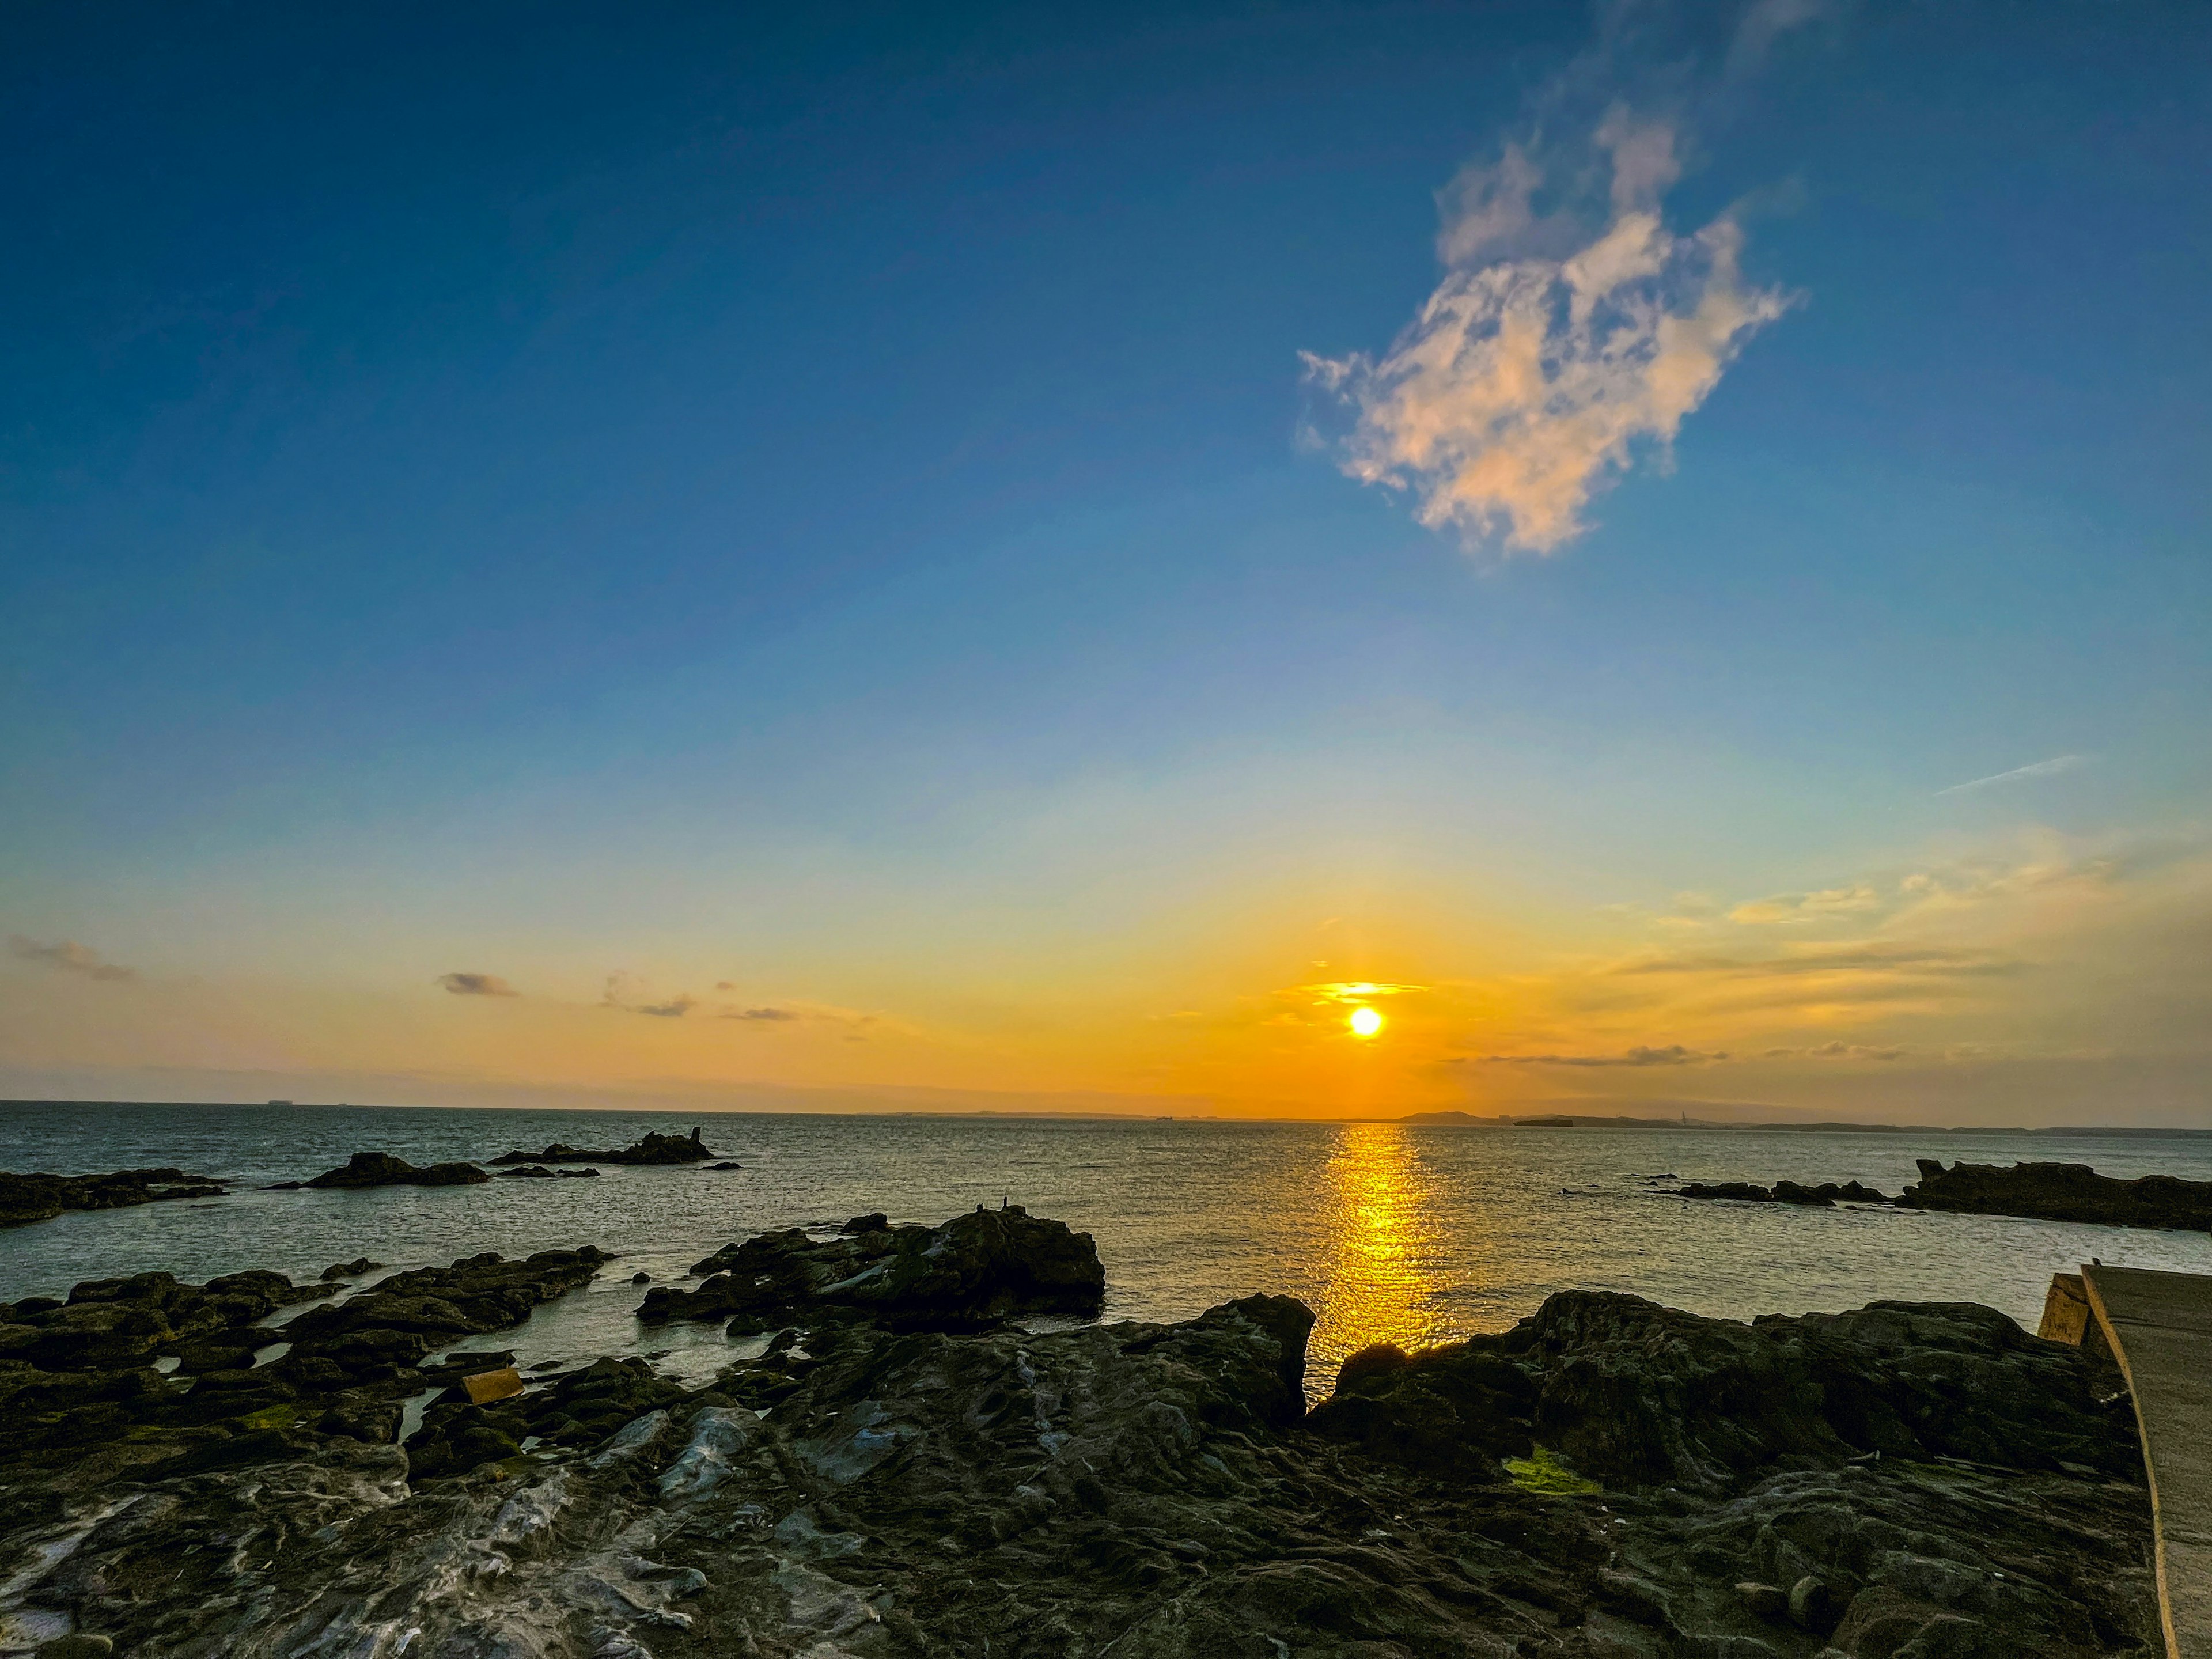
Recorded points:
(1595, 1121)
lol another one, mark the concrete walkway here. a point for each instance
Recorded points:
(2160, 1327)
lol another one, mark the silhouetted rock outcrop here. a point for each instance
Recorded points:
(970, 1272)
(1824, 1196)
(383, 1170)
(2062, 1191)
(25, 1198)
(654, 1148)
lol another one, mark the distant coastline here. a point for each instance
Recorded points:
(1527, 1118)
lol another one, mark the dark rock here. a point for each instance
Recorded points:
(1142, 1489)
(405, 1317)
(2062, 1191)
(527, 1172)
(874, 1222)
(1813, 1605)
(1768, 1602)
(576, 1174)
(353, 1269)
(725, 1164)
(1743, 1191)
(653, 1149)
(641, 1277)
(971, 1272)
(1633, 1394)
(382, 1169)
(27, 1198)
(81, 1645)
(1824, 1196)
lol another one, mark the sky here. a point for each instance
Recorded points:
(1020, 558)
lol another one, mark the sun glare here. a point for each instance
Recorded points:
(1365, 1021)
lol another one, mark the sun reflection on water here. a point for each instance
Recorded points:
(1381, 1279)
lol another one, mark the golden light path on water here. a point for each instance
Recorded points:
(1376, 1208)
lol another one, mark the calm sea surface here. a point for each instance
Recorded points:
(1412, 1235)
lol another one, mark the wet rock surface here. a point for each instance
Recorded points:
(2062, 1191)
(654, 1148)
(1898, 1483)
(970, 1272)
(28, 1198)
(383, 1170)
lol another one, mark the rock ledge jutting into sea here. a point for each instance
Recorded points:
(654, 1148)
(27, 1198)
(1609, 1479)
(2062, 1191)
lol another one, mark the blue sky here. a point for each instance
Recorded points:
(834, 507)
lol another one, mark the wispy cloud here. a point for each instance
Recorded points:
(66, 956)
(1673, 1054)
(1358, 990)
(1786, 907)
(477, 985)
(2042, 768)
(1557, 345)
(616, 996)
(1838, 1050)
(1874, 956)
(759, 1013)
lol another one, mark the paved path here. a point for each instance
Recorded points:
(2160, 1326)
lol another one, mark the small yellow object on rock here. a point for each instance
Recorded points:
(487, 1386)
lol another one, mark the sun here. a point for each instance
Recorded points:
(1365, 1021)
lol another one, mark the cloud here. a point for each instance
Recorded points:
(674, 1007)
(2042, 768)
(1358, 990)
(1836, 1051)
(1673, 1054)
(1558, 346)
(67, 956)
(1875, 956)
(1785, 908)
(759, 1013)
(477, 985)
(1766, 22)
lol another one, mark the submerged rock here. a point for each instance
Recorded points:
(27, 1198)
(654, 1148)
(972, 1272)
(383, 1170)
(2062, 1191)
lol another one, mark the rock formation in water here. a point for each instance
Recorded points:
(2062, 1191)
(655, 1148)
(1906, 1482)
(1824, 1196)
(25, 1198)
(383, 1170)
(972, 1272)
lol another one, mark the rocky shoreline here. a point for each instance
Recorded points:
(28, 1198)
(899, 1471)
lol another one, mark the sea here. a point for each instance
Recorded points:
(1407, 1233)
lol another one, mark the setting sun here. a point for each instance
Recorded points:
(1365, 1021)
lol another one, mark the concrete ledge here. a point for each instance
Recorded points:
(2159, 1329)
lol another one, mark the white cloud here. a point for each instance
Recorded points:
(2042, 768)
(1556, 348)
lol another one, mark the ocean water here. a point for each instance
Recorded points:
(1390, 1232)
